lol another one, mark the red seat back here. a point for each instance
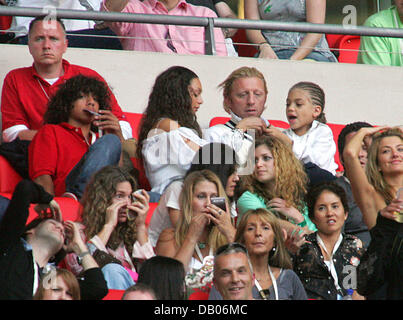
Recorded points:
(333, 40)
(336, 129)
(243, 46)
(349, 46)
(134, 120)
(114, 295)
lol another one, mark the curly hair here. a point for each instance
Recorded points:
(280, 258)
(374, 175)
(97, 198)
(216, 238)
(291, 179)
(61, 104)
(169, 98)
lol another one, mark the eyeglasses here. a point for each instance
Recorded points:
(231, 247)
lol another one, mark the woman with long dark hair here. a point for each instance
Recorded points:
(169, 133)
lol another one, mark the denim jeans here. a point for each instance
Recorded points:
(116, 277)
(286, 54)
(103, 39)
(105, 151)
(4, 202)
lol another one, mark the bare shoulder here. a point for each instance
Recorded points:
(167, 125)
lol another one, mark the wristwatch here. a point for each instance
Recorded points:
(81, 256)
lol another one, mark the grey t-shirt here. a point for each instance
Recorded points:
(287, 11)
(288, 284)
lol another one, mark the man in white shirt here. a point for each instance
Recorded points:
(245, 93)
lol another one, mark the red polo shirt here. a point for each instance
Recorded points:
(25, 95)
(54, 151)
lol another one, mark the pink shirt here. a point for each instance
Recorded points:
(184, 39)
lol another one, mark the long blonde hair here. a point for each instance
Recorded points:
(375, 177)
(290, 177)
(215, 238)
(280, 257)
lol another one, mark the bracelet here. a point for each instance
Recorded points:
(302, 224)
(81, 256)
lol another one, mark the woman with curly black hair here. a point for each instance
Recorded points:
(67, 150)
(169, 133)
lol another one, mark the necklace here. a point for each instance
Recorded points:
(43, 89)
(201, 245)
(263, 279)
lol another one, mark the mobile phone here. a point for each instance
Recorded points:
(219, 202)
(139, 191)
(92, 112)
(131, 215)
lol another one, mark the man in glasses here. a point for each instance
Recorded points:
(233, 274)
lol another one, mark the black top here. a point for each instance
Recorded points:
(315, 276)
(382, 263)
(16, 261)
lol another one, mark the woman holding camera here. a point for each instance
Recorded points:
(216, 157)
(201, 229)
(113, 218)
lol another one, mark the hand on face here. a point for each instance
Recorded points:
(75, 241)
(140, 205)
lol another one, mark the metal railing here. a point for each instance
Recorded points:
(208, 23)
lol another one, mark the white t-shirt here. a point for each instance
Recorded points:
(241, 143)
(316, 146)
(167, 157)
(160, 219)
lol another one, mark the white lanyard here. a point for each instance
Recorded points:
(273, 281)
(199, 254)
(332, 268)
(36, 276)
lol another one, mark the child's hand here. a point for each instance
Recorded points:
(276, 132)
